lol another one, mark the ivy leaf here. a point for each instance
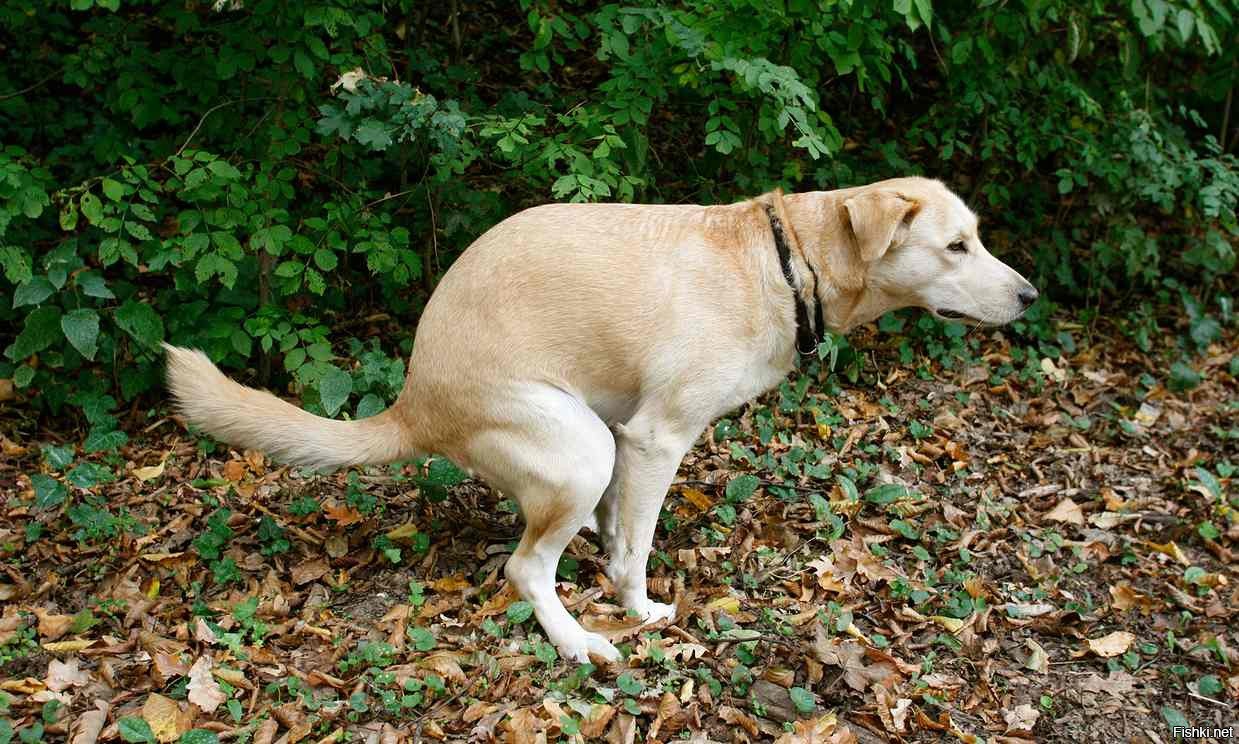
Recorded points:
(141, 322)
(740, 489)
(81, 327)
(49, 493)
(334, 389)
(40, 330)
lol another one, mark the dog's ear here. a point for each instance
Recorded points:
(875, 218)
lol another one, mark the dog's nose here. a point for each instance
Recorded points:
(1028, 296)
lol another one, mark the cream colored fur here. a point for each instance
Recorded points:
(574, 353)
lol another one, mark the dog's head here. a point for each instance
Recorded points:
(911, 242)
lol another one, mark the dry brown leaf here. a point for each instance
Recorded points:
(1066, 511)
(86, 727)
(150, 472)
(1124, 598)
(736, 718)
(815, 731)
(234, 470)
(265, 733)
(1114, 644)
(61, 675)
(165, 717)
(68, 647)
(1021, 718)
(307, 571)
(1171, 549)
(52, 627)
(1118, 684)
(1038, 661)
(698, 499)
(446, 664)
(204, 691)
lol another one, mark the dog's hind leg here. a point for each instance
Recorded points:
(648, 452)
(555, 456)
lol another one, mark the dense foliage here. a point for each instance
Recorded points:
(266, 179)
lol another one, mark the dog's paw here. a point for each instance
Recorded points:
(581, 648)
(653, 612)
(601, 647)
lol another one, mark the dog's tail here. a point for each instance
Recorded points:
(255, 419)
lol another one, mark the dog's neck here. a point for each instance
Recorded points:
(823, 235)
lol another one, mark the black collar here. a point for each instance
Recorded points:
(807, 337)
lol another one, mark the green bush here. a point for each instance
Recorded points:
(249, 176)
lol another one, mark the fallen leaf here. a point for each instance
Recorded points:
(86, 727)
(150, 472)
(1114, 644)
(234, 470)
(1118, 684)
(52, 627)
(1066, 511)
(165, 717)
(307, 571)
(68, 647)
(61, 675)
(1038, 660)
(1124, 597)
(204, 691)
(1021, 718)
(736, 718)
(1171, 549)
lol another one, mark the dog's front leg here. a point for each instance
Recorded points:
(647, 454)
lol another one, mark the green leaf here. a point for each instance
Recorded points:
(93, 285)
(113, 190)
(141, 322)
(1210, 686)
(32, 292)
(629, 685)
(198, 736)
(370, 405)
(373, 134)
(803, 700)
(1210, 482)
(58, 457)
(49, 493)
(40, 330)
(519, 612)
(92, 208)
(135, 730)
(850, 491)
(423, 639)
(1183, 377)
(81, 327)
(334, 389)
(325, 259)
(886, 493)
(223, 169)
(1174, 718)
(741, 488)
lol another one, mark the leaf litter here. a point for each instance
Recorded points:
(972, 557)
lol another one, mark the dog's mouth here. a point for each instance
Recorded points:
(949, 314)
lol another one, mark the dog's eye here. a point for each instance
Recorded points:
(957, 247)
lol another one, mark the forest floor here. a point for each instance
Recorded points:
(1002, 550)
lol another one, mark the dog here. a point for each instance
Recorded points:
(574, 353)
